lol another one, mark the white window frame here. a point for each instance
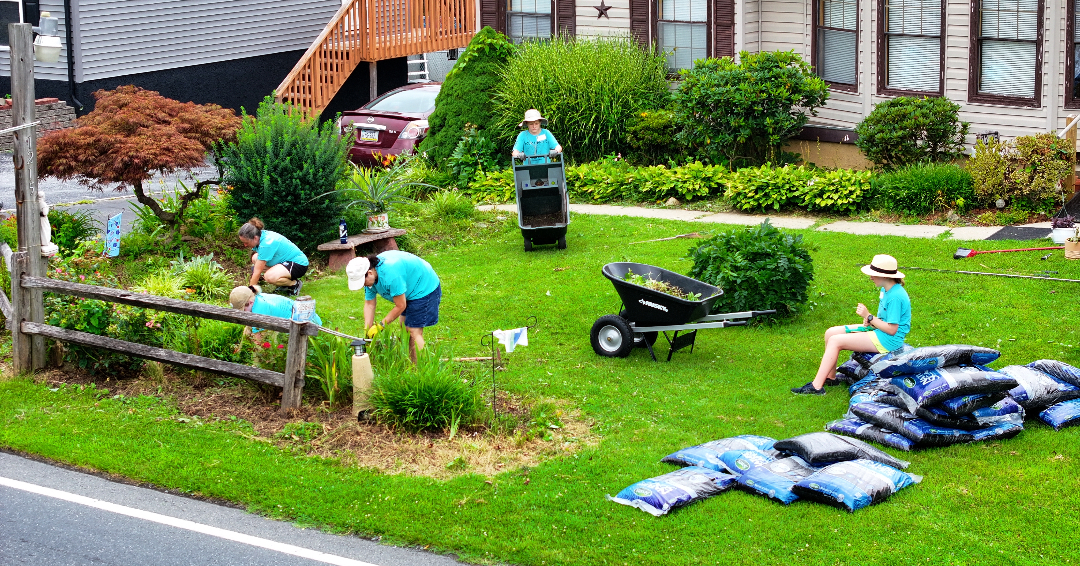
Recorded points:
(523, 13)
(22, 18)
(695, 21)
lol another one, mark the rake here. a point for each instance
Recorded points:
(961, 253)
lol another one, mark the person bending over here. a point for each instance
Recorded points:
(276, 260)
(250, 298)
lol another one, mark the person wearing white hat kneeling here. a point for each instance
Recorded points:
(535, 144)
(880, 333)
(405, 280)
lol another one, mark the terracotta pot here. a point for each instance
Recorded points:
(1072, 250)
(377, 223)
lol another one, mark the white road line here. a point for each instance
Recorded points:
(184, 524)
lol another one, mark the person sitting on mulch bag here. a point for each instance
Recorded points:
(250, 298)
(405, 280)
(882, 333)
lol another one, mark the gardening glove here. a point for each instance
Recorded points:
(373, 330)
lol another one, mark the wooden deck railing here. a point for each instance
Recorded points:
(369, 31)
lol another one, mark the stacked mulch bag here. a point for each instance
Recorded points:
(942, 395)
(818, 466)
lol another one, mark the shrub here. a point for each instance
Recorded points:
(651, 138)
(69, 228)
(277, 167)
(742, 113)
(1026, 172)
(452, 205)
(759, 188)
(493, 186)
(907, 130)
(611, 179)
(474, 153)
(162, 284)
(205, 277)
(466, 96)
(9, 232)
(589, 89)
(758, 268)
(104, 319)
(924, 188)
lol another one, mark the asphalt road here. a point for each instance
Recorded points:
(50, 516)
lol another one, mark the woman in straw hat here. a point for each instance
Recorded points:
(880, 333)
(250, 298)
(535, 143)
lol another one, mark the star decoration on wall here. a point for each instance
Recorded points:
(602, 9)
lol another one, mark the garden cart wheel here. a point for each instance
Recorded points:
(562, 243)
(612, 337)
(528, 245)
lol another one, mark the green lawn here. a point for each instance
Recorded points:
(1013, 502)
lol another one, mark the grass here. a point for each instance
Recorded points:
(1012, 502)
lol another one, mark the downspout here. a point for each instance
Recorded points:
(70, 56)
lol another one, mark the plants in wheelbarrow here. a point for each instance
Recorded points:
(758, 268)
(662, 286)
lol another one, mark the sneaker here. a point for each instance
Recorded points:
(808, 389)
(295, 289)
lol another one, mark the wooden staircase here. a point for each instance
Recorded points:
(370, 31)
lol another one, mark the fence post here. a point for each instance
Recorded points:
(21, 351)
(295, 360)
(1070, 181)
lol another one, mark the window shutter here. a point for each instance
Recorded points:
(566, 17)
(723, 44)
(641, 21)
(493, 13)
(1007, 68)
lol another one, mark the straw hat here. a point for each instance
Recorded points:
(883, 266)
(241, 295)
(532, 115)
(357, 269)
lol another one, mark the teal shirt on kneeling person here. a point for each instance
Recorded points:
(275, 249)
(402, 273)
(894, 307)
(276, 305)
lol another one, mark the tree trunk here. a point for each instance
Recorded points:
(167, 218)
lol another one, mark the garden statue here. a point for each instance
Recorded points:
(48, 249)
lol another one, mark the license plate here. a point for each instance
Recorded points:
(369, 135)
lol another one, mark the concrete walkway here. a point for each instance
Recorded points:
(791, 222)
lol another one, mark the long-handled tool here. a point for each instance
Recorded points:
(961, 253)
(996, 274)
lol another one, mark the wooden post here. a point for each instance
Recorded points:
(373, 80)
(20, 305)
(295, 360)
(1070, 181)
(27, 212)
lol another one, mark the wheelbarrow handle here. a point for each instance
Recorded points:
(759, 313)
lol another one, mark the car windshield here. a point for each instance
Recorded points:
(412, 101)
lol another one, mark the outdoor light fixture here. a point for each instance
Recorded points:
(47, 45)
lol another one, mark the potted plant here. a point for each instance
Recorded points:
(1072, 245)
(1062, 228)
(377, 191)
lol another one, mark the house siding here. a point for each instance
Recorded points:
(123, 37)
(45, 71)
(616, 24)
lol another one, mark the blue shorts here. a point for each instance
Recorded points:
(423, 312)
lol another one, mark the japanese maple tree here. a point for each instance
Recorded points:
(132, 134)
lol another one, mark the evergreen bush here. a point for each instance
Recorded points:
(651, 139)
(907, 130)
(740, 114)
(758, 268)
(590, 90)
(466, 94)
(279, 166)
(924, 188)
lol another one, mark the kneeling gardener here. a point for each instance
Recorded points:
(405, 280)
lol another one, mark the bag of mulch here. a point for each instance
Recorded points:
(1008, 428)
(855, 484)
(928, 358)
(707, 455)
(937, 416)
(1060, 371)
(1005, 410)
(1062, 415)
(966, 404)
(850, 372)
(775, 479)
(823, 448)
(873, 433)
(1036, 390)
(868, 359)
(915, 429)
(736, 462)
(936, 386)
(657, 496)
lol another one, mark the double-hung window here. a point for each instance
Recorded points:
(1072, 46)
(836, 41)
(10, 13)
(1005, 51)
(682, 30)
(528, 19)
(912, 34)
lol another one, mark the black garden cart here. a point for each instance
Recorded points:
(647, 312)
(542, 202)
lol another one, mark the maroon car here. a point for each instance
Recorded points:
(391, 124)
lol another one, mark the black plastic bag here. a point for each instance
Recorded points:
(933, 357)
(1036, 390)
(822, 448)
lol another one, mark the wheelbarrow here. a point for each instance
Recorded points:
(646, 313)
(542, 201)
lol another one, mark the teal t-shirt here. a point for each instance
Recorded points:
(276, 305)
(894, 307)
(275, 248)
(539, 145)
(402, 273)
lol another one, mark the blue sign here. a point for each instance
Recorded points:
(112, 236)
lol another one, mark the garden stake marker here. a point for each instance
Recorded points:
(490, 338)
(961, 253)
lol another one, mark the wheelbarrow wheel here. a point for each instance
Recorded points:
(612, 337)
(528, 245)
(562, 243)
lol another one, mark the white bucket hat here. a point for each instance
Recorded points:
(357, 269)
(883, 266)
(532, 115)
